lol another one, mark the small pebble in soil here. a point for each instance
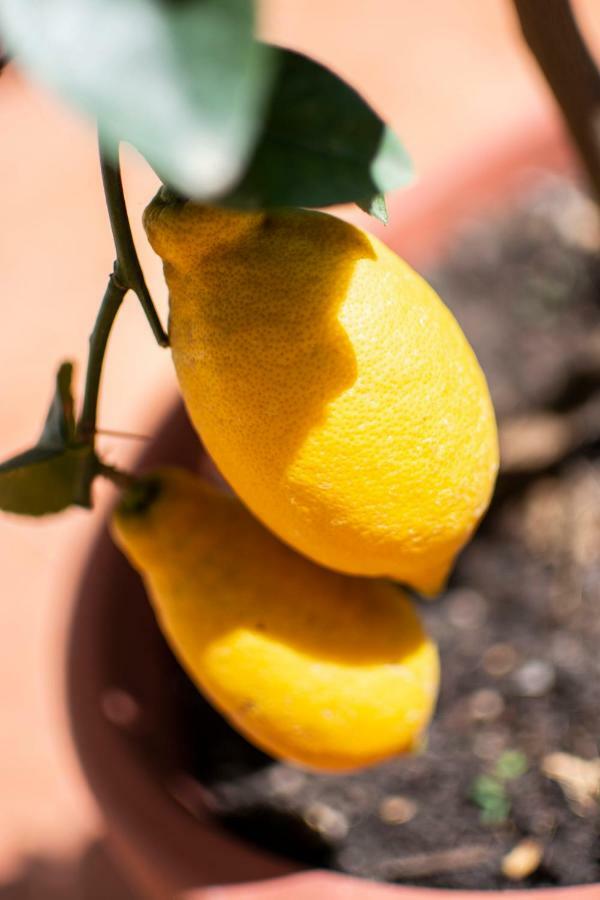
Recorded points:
(535, 678)
(534, 441)
(397, 810)
(579, 779)
(358, 795)
(486, 705)
(329, 822)
(120, 708)
(436, 862)
(499, 660)
(466, 608)
(522, 860)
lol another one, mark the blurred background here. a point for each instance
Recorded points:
(455, 81)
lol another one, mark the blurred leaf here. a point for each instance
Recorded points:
(376, 207)
(183, 81)
(42, 481)
(321, 144)
(216, 113)
(495, 812)
(57, 472)
(486, 786)
(490, 795)
(512, 764)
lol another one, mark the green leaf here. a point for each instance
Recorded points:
(485, 787)
(183, 81)
(216, 113)
(376, 207)
(492, 799)
(512, 764)
(208, 106)
(321, 144)
(57, 472)
(59, 428)
(42, 481)
(495, 813)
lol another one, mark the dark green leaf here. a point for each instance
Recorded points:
(57, 472)
(208, 106)
(59, 428)
(183, 81)
(43, 481)
(321, 144)
(375, 206)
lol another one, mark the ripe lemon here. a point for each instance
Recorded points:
(333, 388)
(315, 667)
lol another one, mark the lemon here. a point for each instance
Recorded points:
(325, 670)
(335, 391)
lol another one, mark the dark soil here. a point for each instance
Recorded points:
(518, 628)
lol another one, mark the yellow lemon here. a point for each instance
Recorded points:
(333, 388)
(315, 667)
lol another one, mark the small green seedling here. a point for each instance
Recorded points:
(489, 790)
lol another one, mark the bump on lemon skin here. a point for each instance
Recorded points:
(318, 668)
(335, 391)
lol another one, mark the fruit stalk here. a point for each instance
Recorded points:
(126, 275)
(128, 265)
(109, 308)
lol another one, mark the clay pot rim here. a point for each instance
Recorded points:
(145, 821)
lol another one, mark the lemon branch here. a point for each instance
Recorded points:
(126, 275)
(127, 268)
(86, 426)
(111, 302)
(551, 33)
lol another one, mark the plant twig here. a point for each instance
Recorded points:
(436, 862)
(109, 308)
(550, 30)
(126, 275)
(128, 268)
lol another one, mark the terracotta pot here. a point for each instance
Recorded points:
(120, 673)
